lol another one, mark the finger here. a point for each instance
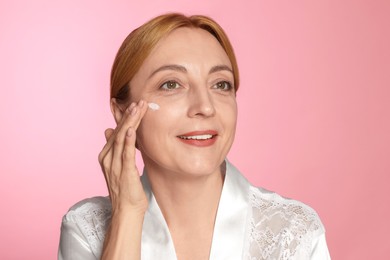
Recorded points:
(108, 133)
(130, 173)
(105, 161)
(110, 139)
(112, 170)
(119, 142)
(118, 111)
(112, 152)
(105, 157)
(143, 108)
(131, 119)
(128, 154)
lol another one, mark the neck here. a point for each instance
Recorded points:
(187, 199)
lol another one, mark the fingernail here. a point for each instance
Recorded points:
(141, 103)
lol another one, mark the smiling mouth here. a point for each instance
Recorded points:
(199, 138)
(196, 137)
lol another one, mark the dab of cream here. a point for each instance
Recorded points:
(153, 106)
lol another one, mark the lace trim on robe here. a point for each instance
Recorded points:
(92, 216)
(280, 228)
(277, 228)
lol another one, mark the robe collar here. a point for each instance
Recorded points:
(230, 224)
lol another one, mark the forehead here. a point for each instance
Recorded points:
(187, 46)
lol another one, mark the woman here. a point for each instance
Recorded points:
(173, 96)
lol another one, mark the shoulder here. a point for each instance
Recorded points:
(273, 207)
(95, 207)
(89, 218)
(281, 226)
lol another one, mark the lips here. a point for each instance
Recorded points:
(199, 138)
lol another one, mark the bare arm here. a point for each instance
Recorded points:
(123, 239)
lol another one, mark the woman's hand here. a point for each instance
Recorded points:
(128, 199)
(117, 160)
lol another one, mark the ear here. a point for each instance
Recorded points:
(116, 110)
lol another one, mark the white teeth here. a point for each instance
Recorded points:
(197, 137)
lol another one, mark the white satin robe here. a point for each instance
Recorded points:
(251, 223)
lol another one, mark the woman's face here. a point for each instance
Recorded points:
(189, 76)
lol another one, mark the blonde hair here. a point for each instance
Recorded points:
(140, 42)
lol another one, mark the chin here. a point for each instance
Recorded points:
(200, 167)
(188, 164)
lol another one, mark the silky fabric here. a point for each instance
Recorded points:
(251, 223)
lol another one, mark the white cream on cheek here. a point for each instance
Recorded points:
(153, 106)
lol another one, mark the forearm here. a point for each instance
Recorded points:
(123, 238)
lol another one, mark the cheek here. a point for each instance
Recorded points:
(149, 126)
(229, 114)
(159, 122)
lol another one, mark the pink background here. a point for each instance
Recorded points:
(314, 110)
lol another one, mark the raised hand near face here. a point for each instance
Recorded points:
(117, 160)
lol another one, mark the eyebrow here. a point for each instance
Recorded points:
(182, 69)
(174, 67)
(220, 68)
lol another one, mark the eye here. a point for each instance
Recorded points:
(170, 85)
(223, 85)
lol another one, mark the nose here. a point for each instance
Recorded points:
(201, 102)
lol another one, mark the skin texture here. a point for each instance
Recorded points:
(195, 105)
(189, 75)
